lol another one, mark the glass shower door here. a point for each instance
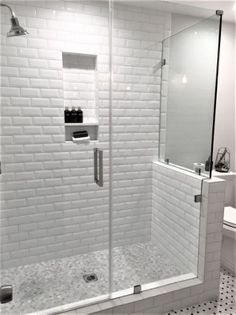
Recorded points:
(156, 207)
(136, 258)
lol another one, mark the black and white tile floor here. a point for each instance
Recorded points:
(224, 305)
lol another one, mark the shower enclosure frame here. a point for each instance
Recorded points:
(155, 284)
(220, 14)
(146, 287)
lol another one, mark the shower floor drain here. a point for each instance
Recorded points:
(90, 277)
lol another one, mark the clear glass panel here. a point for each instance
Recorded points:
(188, 95)
(135, 98)
(139, 250)
(155, 219)
(55, 218)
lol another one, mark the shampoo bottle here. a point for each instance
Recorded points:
(67, 115)
(79, 115)
(73, 115)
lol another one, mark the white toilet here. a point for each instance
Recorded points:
(228, 253)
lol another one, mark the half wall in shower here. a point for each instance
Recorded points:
(89, 220)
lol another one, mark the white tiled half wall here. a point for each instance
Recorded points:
(50, 205)
(175, 215)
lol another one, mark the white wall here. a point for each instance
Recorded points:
(51, 206)
(225, 132)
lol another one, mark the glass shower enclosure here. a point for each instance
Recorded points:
(189, 91)
(103, 216)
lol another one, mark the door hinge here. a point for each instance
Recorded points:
(163, 62)
(198, 198)
(219, 12)
(137, 289)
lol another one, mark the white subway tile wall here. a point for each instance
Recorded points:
(80, 91)
(137, 47)
(50, 205)
(175, 215)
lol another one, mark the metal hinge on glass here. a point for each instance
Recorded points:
(198, 198)
(163, 62)
(137, 289)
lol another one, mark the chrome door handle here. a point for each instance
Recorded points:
(98, 167)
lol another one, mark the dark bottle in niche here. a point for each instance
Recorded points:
(79, 115)
(73, 115)
(67, 115)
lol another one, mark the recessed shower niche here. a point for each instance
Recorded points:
(80, 91)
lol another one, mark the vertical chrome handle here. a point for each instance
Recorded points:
(98, 167)
(100, 158)
(95, 165)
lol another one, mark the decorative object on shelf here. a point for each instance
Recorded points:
(222, 163)
(79, 115)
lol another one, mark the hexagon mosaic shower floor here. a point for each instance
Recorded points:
(56, 282)
(225, 304)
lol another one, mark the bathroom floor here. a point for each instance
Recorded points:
(225, 304)
(57, 282)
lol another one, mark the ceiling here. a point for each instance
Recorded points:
(200, 8)
(226, 6)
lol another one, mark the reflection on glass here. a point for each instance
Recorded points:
(188, 100)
